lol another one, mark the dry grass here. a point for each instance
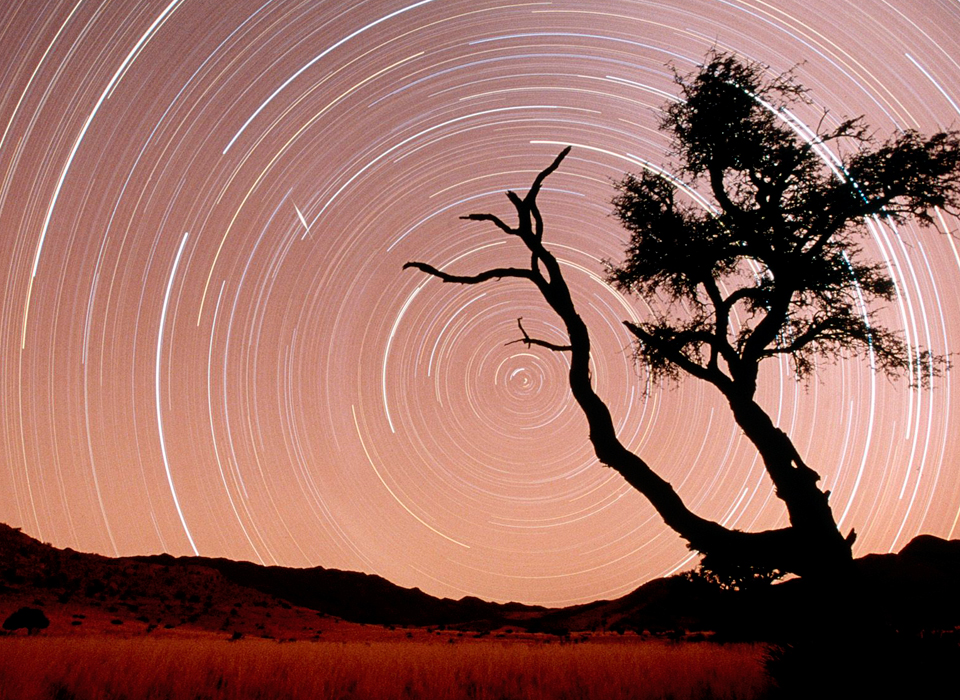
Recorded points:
(179, 669)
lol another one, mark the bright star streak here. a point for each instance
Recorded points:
(163, 442)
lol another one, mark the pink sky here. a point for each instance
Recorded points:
(207, 343)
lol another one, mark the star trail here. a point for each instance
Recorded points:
(208, 344)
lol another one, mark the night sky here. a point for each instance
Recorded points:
(208, 345)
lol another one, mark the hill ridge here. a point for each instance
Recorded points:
(163, 591)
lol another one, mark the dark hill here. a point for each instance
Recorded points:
(355, 596)
(915, 589)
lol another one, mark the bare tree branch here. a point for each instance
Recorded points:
(494, 274)
(538, 182)
(496, 220)
(528, 341)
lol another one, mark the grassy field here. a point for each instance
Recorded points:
(92, 668)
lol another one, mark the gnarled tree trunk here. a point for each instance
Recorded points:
(811, 546)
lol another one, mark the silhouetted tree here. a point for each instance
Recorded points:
(765, 261)
(30, 619)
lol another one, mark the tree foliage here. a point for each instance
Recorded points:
(754, 246)
(734, 575)
(769, 262)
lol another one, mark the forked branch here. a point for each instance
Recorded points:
(528, 341)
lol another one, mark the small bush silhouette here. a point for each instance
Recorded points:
(30, 619)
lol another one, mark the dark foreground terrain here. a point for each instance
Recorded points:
(165, 627)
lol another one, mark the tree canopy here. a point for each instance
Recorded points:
(754, 246)
(773, 264)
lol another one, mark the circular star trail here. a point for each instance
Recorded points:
(208, 344)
